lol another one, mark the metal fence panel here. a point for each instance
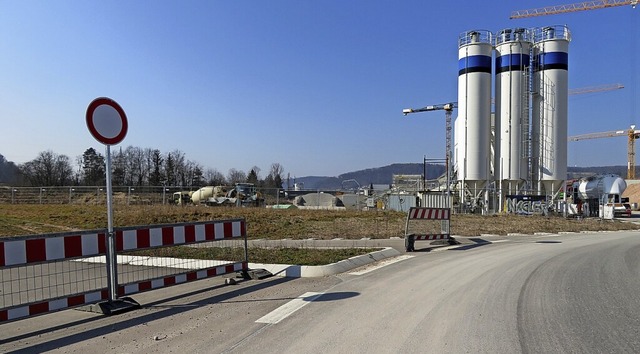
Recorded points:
(44, 273)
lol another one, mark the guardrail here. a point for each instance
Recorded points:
(51, 272)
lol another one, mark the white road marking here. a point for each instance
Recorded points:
(289, 308)
(381, 264)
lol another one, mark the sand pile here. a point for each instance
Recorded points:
(633, 192)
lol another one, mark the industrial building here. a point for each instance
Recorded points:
(520, 146)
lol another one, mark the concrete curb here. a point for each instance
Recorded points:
(297, 271)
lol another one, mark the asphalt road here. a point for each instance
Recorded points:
(526, 294)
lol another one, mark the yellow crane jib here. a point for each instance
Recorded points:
(580, 6)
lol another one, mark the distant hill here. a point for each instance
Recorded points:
(578, 172)
(379, 175)
(384, 175)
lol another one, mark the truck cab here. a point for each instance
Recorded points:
(181, 198)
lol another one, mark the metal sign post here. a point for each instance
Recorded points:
(111, 244)
(107, 123)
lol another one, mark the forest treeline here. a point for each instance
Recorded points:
(132, 166)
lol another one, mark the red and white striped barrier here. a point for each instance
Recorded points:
(38, 308)
(417, 214)
(51, 248)
(431, 237)
(147, 285)
(135, 239)
(88, 244)
(429, 213)
(17, 252)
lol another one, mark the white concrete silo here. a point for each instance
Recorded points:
(513, 48)
(549, 110)
(473, 124)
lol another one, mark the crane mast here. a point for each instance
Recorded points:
(581, 6)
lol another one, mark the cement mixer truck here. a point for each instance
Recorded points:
(242, 194)
(589, 194)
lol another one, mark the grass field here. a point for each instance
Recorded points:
(279, 223)
(16, 220)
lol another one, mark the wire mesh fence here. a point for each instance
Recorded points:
(56, 279)
(44, 273)
(122, 195)
(86, 195)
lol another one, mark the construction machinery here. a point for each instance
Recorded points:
(589, 195)
(448, 108)
(632, 134)
(581, 6)
(242, 194)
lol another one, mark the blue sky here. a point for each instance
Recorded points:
(317, 86)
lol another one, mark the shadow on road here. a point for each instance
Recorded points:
(132, 322)
(333, 296)
(478, 243)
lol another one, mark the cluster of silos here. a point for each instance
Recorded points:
(528, 147)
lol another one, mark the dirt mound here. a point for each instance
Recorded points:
(633, 192)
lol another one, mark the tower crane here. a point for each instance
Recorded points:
(632, 134)
(581, 6)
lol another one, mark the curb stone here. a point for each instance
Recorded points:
(297, 271)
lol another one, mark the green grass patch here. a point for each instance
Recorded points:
(280, 255)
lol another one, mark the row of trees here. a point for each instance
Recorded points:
(135, 166)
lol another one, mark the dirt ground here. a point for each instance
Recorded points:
(633, 192)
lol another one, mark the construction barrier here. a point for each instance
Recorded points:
(420, 226)
(45, 273)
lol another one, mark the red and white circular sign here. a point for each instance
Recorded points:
(106, 121)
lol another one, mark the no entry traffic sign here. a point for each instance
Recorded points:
(106, 121)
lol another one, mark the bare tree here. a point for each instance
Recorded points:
(135, 166)
(48, 169)
(214, 177)
(179, 167)
(235, 176)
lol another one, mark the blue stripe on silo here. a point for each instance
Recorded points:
(512, 62)
(474, 64)
(552, 60)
